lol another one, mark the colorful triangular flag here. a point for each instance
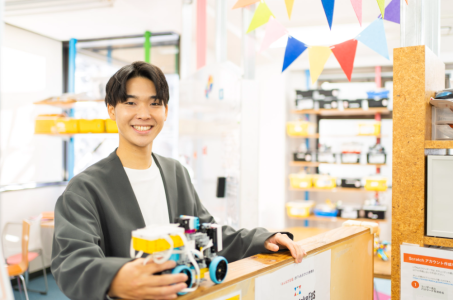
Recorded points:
(381, 4)
(407, 2)
(274, 31)
(329, 6)
(357, 5)
(294, 48)
(318, 56)
(345, 54)
(392, 12)
(261, 16)
(244, 3)
(374, 37)
(289, 7)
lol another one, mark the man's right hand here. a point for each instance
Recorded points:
(137, 281)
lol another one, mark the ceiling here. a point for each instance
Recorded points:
(131, 17)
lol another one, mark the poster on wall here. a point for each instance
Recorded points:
(426, 273)
(308, 280)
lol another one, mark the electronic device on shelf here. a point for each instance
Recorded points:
(193, 246)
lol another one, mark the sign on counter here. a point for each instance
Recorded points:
(426, 273)
(308, 280)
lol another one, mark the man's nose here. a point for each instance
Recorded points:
(143, 112)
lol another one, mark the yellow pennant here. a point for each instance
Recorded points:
(244, 3)
(381, 4)
(289, 7)
(261, 16)
(318, 56)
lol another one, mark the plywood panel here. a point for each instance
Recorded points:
(417, 74)
(352, 266)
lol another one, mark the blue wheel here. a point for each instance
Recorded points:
(185, 270)
(218, 269)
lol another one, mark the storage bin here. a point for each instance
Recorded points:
(378, 184)
(322, 213)
(300, 181)
(300, 128)
(350, 158)
(378, 103)
(304, 156)
(91, 126)
(355, 183)
(371, 129)
(110, 126)
(55, 124)
(375, 212)
(348, 104)
(299, 209)
(324, 182)
(348, 212)
(326, 157)
(327, 104)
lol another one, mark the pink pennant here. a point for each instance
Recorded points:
(274, 31)
(357, 5)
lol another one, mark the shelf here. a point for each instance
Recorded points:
(65, 104)
(435, 241)
(334, 190)
(310, 136)
(346, 112)
(63, 135)
(439, 144)
(316, 164)
(336, 219)
(317, 136)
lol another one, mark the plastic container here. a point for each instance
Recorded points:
(375, 212)
(55, 124)
(378, 184)
(324, 182)
(300, 128)
(300, 181)
(110, 126)
(322, 213)
(304, 156)
(371, 129)
(299, 209)
(91, 126)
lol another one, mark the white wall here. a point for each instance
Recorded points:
(31, 70)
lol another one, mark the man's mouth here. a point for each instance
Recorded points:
(142, 128)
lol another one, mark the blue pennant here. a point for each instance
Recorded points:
(329, 6)
(374, 38)
(294, 49)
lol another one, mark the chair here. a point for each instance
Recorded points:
(18, 264)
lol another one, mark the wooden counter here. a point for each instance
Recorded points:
(351, 267)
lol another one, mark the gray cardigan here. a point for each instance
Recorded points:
(97, 212)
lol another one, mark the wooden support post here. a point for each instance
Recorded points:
(417, 75)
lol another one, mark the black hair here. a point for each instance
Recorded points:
(116, 87)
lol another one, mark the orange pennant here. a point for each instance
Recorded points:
(244, 3)
(345, 54)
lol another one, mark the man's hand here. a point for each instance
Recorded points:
(282, 241)
(136, 281)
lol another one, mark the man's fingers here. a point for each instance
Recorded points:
(164, 292)
(272, 247)
(153, 268)
(168, 279)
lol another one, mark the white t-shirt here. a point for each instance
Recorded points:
(148, 188)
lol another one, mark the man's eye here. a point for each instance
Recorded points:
(156, 103)
(129, 103)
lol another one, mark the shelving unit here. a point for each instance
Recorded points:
(64, 104)
(346, 112)
(317, 164)
(337, 219)
(334, 190)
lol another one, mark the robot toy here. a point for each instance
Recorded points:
(192, 246)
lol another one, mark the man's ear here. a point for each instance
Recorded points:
(111, 111)
(166, 112)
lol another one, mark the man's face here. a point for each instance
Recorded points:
(140, 118)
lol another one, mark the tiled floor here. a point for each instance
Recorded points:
(38, 284)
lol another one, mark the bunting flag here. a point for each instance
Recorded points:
(374, 37)
(357, 5)
(345, 54)
(392, 12)
(318, 56)
(289, 7)
(244, 3)
(407, 2)
(261, 16)
(294, 49)
(381, 4)
(329, 6)
(274, 31)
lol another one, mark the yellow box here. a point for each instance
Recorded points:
(300, 181)
(110, 126)
(91, 126)
(324, 182)
(158, 245)
(370, 129)
(300, 128)
(299, 209)
(378, 184)
(55, 124)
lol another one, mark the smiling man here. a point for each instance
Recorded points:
(130, 189)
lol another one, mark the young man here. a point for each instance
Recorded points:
(130, 189)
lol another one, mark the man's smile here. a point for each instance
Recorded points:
(142, 128)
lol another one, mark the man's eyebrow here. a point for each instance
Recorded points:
(131, 96)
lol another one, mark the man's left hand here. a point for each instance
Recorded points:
(282, 241)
